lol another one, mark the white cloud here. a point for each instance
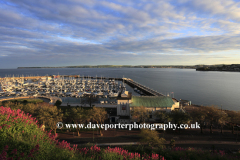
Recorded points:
(118, 29)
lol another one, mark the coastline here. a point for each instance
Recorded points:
(217, 70)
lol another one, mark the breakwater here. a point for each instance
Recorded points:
(147, 91)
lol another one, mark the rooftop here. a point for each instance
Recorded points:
(152, 101)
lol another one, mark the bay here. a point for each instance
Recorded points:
(201, 88)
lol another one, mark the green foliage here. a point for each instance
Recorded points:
(199, 115)
(25, 101)
(97, 115)
(58, 103)
(151, 137)
(50, 115)
(172, 143)
(35, 101)
(21, 133)
(213, 114)
(22, 139)
(160, 115)
(179, 117)
(140, 113)
(111, 156)
(46, 114)
(234, 118)
(78, 116)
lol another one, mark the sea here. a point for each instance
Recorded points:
(205, 88)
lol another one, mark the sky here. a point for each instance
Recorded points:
(38, 33)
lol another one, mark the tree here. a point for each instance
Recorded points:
(89, 99)
(213, 115)
(162, 116)
(140, 113)
(42, 111)
(55, 115)
(50, 115)
(199, 115)
(234, 118)
(172, 143)
(25, 101)
(151, 137)
(179, 117)
(12, 105)
(97, 115)
(58, 103)
(223, 120)
(30, 108)
(78, 116)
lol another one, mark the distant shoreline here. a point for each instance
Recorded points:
(218, 70)
(217, 67)
(116, 66)
(225, 68)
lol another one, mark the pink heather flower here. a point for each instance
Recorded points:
(222, 153)
(32, 150)
(4, 153)
(14, 151)
(6, 148)
(30, 155)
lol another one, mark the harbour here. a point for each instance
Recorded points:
(60, 87)
(202, 88)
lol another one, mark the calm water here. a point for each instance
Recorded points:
(202, 88)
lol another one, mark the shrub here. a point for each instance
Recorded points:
(25, 101)
(21, 137)
(151, 137)
(58, 103)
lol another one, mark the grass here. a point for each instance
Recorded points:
(35, 101)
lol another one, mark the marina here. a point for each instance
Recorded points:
(70, 88)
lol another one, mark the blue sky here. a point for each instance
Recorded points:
(120, 32)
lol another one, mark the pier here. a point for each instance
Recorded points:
(147, 91)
